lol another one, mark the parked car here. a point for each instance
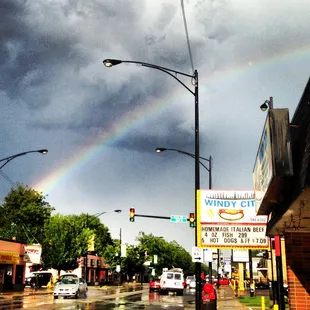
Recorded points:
(189, 279)
(38, 278)
(154, 285)
(70, 285)
(192, 284)
(172, 281)
(223, 281)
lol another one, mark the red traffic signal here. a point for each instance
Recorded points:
(132, 214)
(192, 220)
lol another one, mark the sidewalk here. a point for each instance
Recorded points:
(226, 299)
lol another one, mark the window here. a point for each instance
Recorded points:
(93, 262)
(177, 276)
(169, 276)
(99, 263)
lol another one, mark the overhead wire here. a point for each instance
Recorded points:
(187, 36)
(8, 179)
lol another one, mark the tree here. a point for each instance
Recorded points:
(67, 238)
(23, 215)
(169, 254)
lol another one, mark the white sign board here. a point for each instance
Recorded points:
(33, 253)
(123, 250)
(263, 169)
(227, 219)
(240, 256)
(207, 255)
(197, 255)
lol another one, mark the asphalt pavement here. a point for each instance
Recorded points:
(226, 298)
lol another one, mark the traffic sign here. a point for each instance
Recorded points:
(178, 219)
(197, 254)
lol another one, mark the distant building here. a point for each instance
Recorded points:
(12, 265)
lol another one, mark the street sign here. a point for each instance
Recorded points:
(197, 254)
(178, 219)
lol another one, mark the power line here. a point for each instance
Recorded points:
(8, 179)
(187, 36)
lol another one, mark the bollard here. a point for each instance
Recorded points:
(263, 303)
(276, 307)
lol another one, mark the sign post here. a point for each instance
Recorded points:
(197, 255)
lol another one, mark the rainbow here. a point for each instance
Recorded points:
(125, 123)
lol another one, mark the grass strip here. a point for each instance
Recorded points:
(255, 301)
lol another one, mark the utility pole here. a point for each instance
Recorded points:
(86, 254)
(120, 255)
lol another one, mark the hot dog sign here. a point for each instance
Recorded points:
(227, 219)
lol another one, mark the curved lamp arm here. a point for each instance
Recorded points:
(113, 62)
(8, 159)
(161, 149)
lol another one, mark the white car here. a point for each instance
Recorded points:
(192, 284)
(189, 279)
(70, 285)
(172, 281)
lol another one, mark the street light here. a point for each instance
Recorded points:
(266, 104)
(209, 160)
(194, 81)
(87, 223)
(8, 159)
(209, 169)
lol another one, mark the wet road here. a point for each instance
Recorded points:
(96, 300)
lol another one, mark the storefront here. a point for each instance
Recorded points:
(12, 265)
(284, 195)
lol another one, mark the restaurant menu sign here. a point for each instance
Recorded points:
(227, 219)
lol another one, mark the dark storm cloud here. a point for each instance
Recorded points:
(47, 47)
(149, 140)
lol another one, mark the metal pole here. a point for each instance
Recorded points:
(272, 294)
(218, 268)
(86, 256)
(251, 273)
(210, 172)
(197, 188)
(120, 255)
(270, 103)
(210, 187)
(279, 266)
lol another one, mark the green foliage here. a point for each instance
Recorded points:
(27, 216)
(67, 236)
(23, 215)
(169, 254)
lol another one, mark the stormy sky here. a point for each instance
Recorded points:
(101, 125)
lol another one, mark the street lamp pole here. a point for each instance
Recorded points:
(209, 169)
(194, 78)
(8, 159)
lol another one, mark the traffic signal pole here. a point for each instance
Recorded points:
(132, 217)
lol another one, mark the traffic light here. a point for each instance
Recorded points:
(132, 215)
(192, 220)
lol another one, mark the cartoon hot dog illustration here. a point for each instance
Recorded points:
(231, 214)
